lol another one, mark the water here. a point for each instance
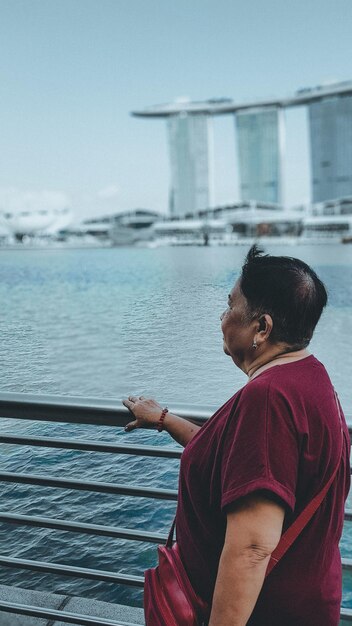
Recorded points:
(108, 323)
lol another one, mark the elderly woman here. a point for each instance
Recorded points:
(254, 466)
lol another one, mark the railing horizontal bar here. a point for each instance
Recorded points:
(89, 529)
(84, 620)
(59, 616)
(78, 444)
(70, 570)
(78, 410)
(84, 485)
(346, 614)
(348, 515)
(82, 572)
(77, 527)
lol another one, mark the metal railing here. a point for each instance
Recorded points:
(94, 412)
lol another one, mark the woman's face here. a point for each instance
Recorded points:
(238, 333)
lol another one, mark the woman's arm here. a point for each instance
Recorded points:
(147, 414)
(253, 531)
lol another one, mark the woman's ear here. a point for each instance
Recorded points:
(265, 326)
(262, 323)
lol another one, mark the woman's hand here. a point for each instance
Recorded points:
(147, 412)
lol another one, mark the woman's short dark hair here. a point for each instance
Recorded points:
(288, 290)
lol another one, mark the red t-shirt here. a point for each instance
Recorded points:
(279, 433)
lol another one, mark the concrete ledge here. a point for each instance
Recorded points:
(83, 606)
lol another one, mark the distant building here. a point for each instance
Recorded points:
(199, 232)
(260, 145)
(227, 224)
(329, 220)
(257, 219)
(259, 156)
(35, 222)
(136, 218)
(189, 163)
(330, 122)
(125, 228)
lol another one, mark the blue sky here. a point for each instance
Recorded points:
(72, 70)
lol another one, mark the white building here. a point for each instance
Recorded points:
(260, 145)
(189, 163)
(33, 223)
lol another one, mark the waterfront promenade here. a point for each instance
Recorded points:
(49, 609)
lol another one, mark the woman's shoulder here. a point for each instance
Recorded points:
(302, 377)
(287, 374)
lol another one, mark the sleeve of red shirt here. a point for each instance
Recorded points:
(261, 449)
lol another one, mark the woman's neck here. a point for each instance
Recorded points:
(266, 361)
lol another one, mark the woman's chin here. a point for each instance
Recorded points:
(225, 349)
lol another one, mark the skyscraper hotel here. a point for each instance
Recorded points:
(189, 163)
(330, 125)
(260, 146)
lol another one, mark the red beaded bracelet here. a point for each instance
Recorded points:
(160, 424)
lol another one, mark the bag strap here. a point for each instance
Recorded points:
(306, 515)
(170, 538)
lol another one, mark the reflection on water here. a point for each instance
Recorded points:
(111, 322)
